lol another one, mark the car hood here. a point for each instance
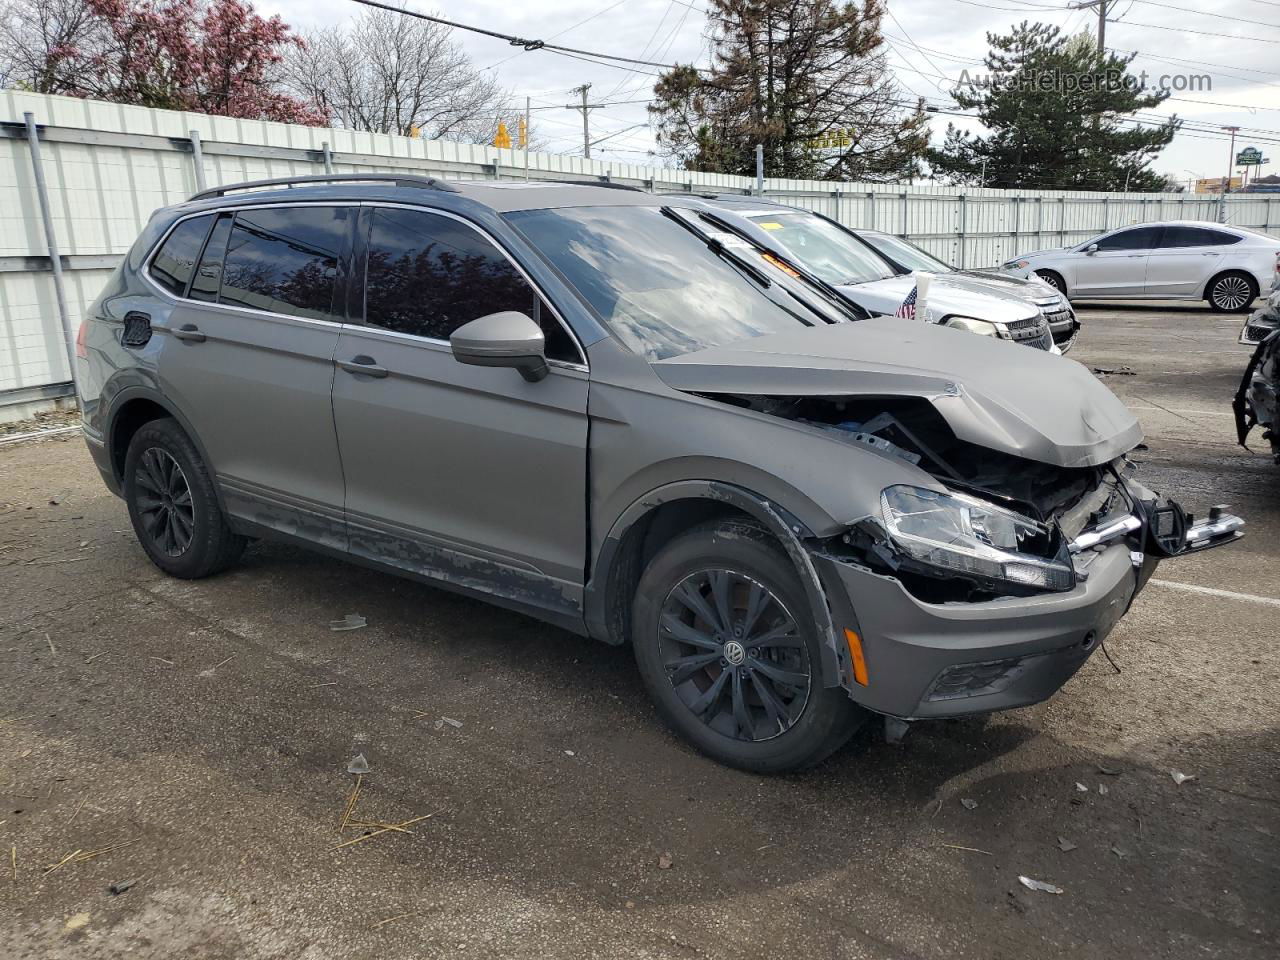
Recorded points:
(946, 298)
(992, 393)
(1007, 284)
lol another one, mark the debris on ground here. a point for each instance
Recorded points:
(968, 804)
(80, 856)
(1114, 371)
(956, 846)
(1122, 854)
(1180, 778)
(358, 765)
(385, 828)
(120, 886)
(77, 921)
(1103, 789)
(664, 861)
(352, 621)
(1065, 845)
(1081, 787)
(456, 724)
(570, 753)
(1038, 885)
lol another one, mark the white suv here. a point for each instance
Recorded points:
(1178, 260)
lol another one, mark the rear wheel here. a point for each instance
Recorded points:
(729, 651)
(173, 505)
(1231, 292)
(1054, 280)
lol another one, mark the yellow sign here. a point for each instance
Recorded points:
(831, 140)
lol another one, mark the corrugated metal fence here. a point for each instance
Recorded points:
(109, 166)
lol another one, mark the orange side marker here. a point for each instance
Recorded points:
(855, 651)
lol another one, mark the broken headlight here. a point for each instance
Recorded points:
(966, 536)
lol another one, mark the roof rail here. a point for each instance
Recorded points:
(393, 179)
(608, 184)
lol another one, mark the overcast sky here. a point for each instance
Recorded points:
(926, 39)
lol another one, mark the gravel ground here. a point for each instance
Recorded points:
(207, 727)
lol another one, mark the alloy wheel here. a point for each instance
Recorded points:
(164, 501)
(1232, 293)
(734, 654)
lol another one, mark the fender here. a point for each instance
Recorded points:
(775, 518)
(148, 392)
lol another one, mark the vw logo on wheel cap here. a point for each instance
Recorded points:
(734, 652)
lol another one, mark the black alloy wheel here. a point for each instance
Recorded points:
(734, 654)
(164, 501)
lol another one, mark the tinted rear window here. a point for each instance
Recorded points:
(285, 260)
(175, 261)
(1196, 237)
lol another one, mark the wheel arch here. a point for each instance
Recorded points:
(136, 406)
(1062, 280)
(654, 519)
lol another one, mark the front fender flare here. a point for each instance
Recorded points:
(790, 532)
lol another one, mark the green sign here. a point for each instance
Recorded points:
(1249, 157)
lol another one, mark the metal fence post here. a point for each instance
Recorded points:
(328, 158)
(964, 224)
(197, 158)
(51, 243)
(871, 206)
(903, 195)
(1062, 220)
(1017, 220)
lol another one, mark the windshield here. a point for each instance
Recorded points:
(906, 253)
(824, 248)
(657, 285)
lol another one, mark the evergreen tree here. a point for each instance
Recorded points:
(805, 78)
(1055, 114)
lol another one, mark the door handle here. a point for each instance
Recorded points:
(362, 365)
(190, 332)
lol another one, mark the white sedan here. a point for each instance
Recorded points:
(1177, 260)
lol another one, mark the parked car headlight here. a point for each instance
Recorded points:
(974, 325)
(960, 534)
(1017, 265)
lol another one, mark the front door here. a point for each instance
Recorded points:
(468, 475)
(250, 363)
(1118, 268)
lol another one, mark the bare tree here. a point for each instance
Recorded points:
(390, 73)
(42, 41)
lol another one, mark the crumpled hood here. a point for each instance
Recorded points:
(946, 298)
(992, 393)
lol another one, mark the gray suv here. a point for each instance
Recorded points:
(587, 405)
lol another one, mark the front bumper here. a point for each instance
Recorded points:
(1016, 650)
(928, 660)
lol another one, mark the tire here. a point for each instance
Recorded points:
(788, 726)
(173, 506)
(1231, 292)
(1054, 280)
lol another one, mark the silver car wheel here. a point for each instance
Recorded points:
(1231, 293)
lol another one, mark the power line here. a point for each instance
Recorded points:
(529, 45)
(1205, 13)
(598, 13)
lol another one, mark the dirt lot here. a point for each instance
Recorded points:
(208, 725)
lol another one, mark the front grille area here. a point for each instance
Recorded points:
(1031, 332)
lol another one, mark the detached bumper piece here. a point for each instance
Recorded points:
(1221, 528)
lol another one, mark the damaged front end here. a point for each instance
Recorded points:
(989, 589)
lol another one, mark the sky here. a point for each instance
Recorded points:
(927, 41)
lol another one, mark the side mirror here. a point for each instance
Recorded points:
(507, 339)
(1091, 249)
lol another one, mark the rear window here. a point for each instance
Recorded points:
(1197, 237)
(175, 261)
(285, 260)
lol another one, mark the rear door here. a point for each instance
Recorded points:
(1185, 260)
(1118, 268)
(466, 474)
(250, 362)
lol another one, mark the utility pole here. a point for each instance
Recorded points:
(527, 119)
(586, 109)
(1226, 181)
(1102, 22)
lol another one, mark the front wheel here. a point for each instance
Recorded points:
(1054, 280)
(730, 653)
(1232, 292)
